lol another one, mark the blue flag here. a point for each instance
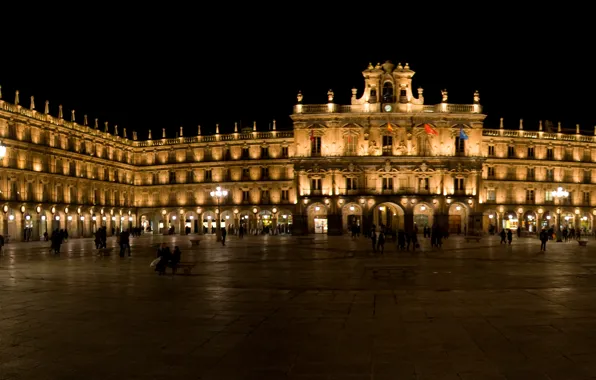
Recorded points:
(462, 134)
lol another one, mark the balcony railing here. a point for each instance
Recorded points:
(375, 107)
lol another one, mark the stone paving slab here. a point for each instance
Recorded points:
(263, 307)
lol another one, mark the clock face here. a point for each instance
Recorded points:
(388, 108)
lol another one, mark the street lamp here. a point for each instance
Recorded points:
(559, 194)
(218, 194)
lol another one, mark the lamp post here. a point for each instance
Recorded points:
(559, 194)
(218, 194)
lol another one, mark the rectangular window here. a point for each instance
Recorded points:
(530, 174)
(264, 173)
(264, 195)
(315, 184)
(424, 185)
(315, 146)
(284, 152)
(351, 184)
(264, 152)
(491, 172)
(350, 144)
(387, 183)
(246, 195)
(208, 175)
(548, 196)
(207, 156)
(491, 195)
(460, 145)
(285, 195)
(491, 150)
(587, 176)
(529, 195)
(511, 151)
(245, 153)
(458, 184)
(387, 145)
(246, 174)
(172, 177)
(550, 175)
(549, 154)
(587, 198)
(531, 152)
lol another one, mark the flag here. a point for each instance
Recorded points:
(430, 130)
(312, 135)
(389, 128)
(462, 134)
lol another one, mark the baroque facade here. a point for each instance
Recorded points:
(386, 158)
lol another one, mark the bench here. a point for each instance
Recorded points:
(472, 237)
(582, 243)
(195, 241)
(186, 267)
(105, 251)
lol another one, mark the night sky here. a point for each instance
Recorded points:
(158, 71)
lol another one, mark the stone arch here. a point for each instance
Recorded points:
(317, 218)
(490, 218)
(529, 221)
(388, 214)
(285, 221)
(351, 216)
(423, 215)
(458, 217)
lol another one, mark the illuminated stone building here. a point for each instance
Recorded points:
(387, 158)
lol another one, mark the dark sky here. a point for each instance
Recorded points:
(153, 69)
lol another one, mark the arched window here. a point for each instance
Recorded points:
(388, 96)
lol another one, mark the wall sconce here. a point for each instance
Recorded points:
(540, 211)
(490, 216)
(422, 208)
(11, 217)
(82, 218)
(163, 212)
(305, 201)
(111, 211)
(448, 201)
(576, 211)
(351, 208)
(23, 209)
(326, 201)
(69, 218)
(121, 218)
(181, 212)
(435, 201)
(130, 218)
(78, 210)
(341, 201)
(255, 210)
(548, 217)
(104, 218)
(274, 210)
(470, 202)
(57, 217)
(173, 217)
(5, 209)
(199, 210)
(520, 210)
(94, 218)
(113, 218)
(43, 217)
(236, 211)
(66, 210)
(458, 208)
(129, 212)
(27, 217)
(317, 208)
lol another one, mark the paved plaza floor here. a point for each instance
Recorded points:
(270, 307)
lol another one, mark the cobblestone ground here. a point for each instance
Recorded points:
(273, 308)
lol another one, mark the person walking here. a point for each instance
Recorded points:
(381, 242)
(223, 236)
(509, 236)
(373, 238)
(543, 240)
(414, 239)
(503, 236)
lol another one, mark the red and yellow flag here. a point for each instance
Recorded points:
(430, 130)
(389, 128)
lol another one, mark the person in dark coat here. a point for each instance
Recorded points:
(164, 255)
(543, 240)
(176, 258)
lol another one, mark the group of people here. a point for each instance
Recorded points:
(167, 259)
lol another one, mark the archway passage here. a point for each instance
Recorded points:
(388, 216)
(529, 221)
(458, 217)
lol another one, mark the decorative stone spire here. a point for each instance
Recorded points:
(163, 133)
(124, 132)
(96, 126)
(577, 129)
(16, 98)
(444, 96)
(254, 126)
(521, 124)
(217, 129)
(85, 120)
(354, 92)
(370, 66)
(420, 92)
(116, 129)
(540, 125)
(476, 97)
(72, 115)
(236, 127)
(47, 108)
(399, 66)
(105, 127)
(60, 115)
(134, 135)
(559, 127)
(407, 66)
(181, 132)
(501, 125)
(299, 97)
(149, 135)
(274, 126)
(32, 104)
(330, 95)
(199, 129)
